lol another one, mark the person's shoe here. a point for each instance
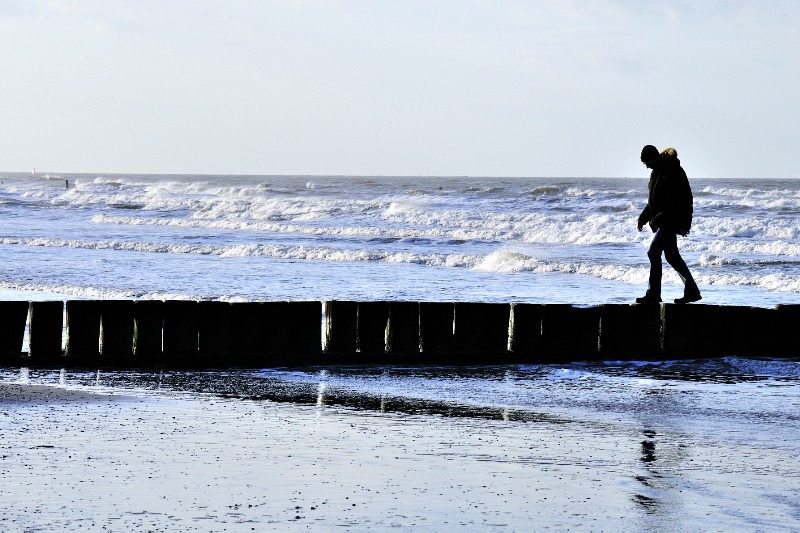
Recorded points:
(647, 300)
(688, 299)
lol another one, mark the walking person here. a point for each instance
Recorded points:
(669, 213)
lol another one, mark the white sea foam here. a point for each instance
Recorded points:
(257, 250)
(515, 262)
(365, 231)
(535, 228)
(742, 234)
(83, 291)
(730, 247)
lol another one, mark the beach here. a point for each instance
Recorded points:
(89, 454)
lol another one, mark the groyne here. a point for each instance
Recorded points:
(211, 334)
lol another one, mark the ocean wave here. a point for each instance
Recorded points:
(747, 227)
(750, 192)
(81, 291)
(715, 260)
(502, 261)
(743, 247)
(257, 250)
(547, 190)
(365, 231)
(534, 229)
(594, 229)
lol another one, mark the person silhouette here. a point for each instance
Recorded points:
(669, 214)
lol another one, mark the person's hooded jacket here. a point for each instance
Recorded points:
(669, 202)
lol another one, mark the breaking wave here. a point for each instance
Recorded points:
(499, 261)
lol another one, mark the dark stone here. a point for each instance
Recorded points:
(13, 316)
(214, 327)
(526, 330)
(341, 327)
(83, 328)
(180, 327)
(45, 330)
(373, 319)
(116, 327)
(481, 328)
(436, 326)
(403, 328)
(148, 321)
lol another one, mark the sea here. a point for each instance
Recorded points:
(244, 238)
(693, 444)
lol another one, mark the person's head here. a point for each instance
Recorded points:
(649, 155)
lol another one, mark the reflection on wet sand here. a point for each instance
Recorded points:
(664, 446)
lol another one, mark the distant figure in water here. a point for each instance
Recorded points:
(669, 212)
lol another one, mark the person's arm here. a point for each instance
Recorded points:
(644, 218)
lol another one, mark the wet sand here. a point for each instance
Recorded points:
(79, 460)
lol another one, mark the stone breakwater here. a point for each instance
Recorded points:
(213, 334)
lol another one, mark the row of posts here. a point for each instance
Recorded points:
(209, 334)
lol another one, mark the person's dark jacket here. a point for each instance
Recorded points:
(669, 202)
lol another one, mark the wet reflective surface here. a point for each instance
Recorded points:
(708, 444)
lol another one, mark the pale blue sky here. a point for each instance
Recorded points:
(405, 87)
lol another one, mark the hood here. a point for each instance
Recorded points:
(669, 157)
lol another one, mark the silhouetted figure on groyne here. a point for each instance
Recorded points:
(669, 212)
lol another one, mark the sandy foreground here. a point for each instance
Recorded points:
(79, 460)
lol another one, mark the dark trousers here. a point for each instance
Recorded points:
(666, 241)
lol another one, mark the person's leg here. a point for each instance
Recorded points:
(654, 254)
(673, 257)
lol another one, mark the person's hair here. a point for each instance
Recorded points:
(649, 153)
(669, 152)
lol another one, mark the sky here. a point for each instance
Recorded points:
(405, 87)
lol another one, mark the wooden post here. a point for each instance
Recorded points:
(292, 329)
(750, 331)
(644, 335)
(403, 328)
(585, 337)
(148, 323)
(45, 329)
(373, 319)
(13, 316)
(83, 328)
(436, 326)
(341, 327)
(569, 333)
(481, 328)
(248, 335)
(694, 330)
(305, 327)
(180, 328)
(214, 328)
(786, 337)
(615, 330)
(116, 328)
(556, 341)
(526, 331)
